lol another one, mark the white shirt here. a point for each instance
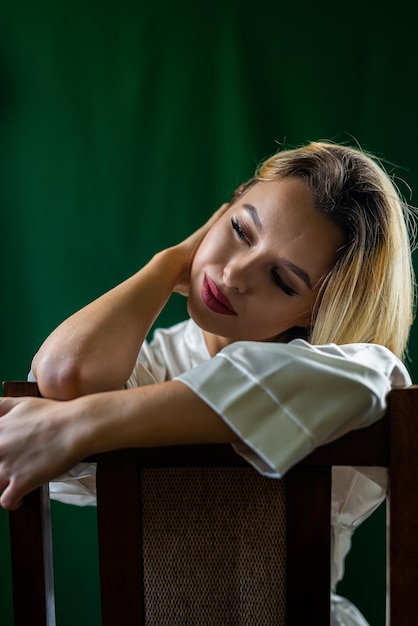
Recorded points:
(282, 400)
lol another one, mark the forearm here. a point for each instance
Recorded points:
(156, 415)
(95, 349)
(42, 439)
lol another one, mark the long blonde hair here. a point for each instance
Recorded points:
(368, 296)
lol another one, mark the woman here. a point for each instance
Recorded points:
(313, 251)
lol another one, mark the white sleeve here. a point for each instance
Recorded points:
(283, 400)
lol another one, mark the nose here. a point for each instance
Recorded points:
(238, 275)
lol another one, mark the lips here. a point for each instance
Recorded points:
(214, 299)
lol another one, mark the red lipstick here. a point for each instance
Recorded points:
(214, 299)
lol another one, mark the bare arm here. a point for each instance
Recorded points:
(96, 348)
(42, 439)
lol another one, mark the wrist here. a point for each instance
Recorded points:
(173, 264)
(169, 264)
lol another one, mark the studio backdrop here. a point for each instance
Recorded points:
(123, 125)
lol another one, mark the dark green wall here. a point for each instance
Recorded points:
(123, 124)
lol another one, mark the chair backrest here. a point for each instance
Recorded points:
(191, 534)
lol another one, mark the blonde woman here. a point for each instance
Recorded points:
(300, 294)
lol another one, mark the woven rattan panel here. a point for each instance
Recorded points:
(214, 547)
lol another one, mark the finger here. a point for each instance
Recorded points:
(10, 500)
(7, 404)
(242, 189)
(3, 484)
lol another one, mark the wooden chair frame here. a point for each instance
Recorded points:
(390, 442)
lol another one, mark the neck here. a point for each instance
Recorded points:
(215, 343)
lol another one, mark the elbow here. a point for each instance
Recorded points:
(61, 380)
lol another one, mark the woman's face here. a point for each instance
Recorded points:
(258, 270)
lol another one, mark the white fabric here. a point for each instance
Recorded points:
(302, 395)
(283, 400)
(343, 613)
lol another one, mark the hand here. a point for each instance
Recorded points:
(37, 444)
(187, 249)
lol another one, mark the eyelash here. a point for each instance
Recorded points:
(239, 231)
(283, 286)
(275, 275)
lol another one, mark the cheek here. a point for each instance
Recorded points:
(201, 259)
(210, 249)
(290, 312)
(304, 313)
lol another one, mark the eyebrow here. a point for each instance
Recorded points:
(253, 213)
(299, 272)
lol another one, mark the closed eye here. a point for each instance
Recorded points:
(238, 230)
(277, 279)
(283, 286)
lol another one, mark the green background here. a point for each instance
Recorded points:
(124, 124)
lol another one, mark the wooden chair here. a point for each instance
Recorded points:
(298, 509)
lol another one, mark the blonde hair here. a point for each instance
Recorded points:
(368, 296)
